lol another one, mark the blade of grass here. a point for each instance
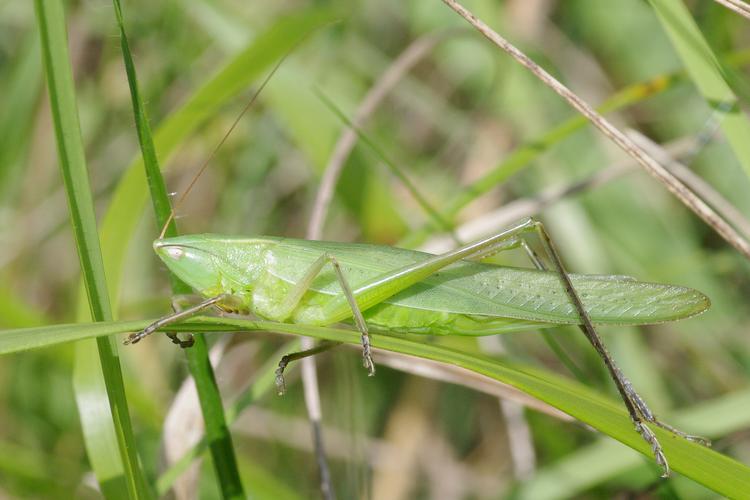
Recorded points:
(217, 433)
(605, 460)
(120, 221)
(705, 466)
(16, 116)
(51, 20)
(241, 70)
(706, 72)
(264, 383)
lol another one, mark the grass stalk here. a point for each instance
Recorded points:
(707, 73)
(719, 472)
(217, 433)
(51, 20)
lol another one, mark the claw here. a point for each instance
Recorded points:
(280, 383)
(133, 338)
(367, 356)
(369, 365)
(184, 344)
(649, 436)
(187, 343)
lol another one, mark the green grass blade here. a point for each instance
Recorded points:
(51, 20)
(22, 96)
(265, 381)
(217, 432)
(605, 459)
(715, 471)
(705, 70)
(121, 218)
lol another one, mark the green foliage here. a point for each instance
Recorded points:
(217, 433)
(706, 73)
(120, 467)
(716, 471)
(471, 131)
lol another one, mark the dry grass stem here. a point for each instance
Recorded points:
(461, 376)
(653, 167)
(737, 6)
(519, 209)
(728, 211)
(408, 58)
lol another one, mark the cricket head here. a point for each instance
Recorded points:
(210, 264)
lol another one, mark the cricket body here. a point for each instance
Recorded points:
(468, 298)
(397, 290)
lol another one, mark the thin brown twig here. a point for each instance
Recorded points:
(653, 167)
(737, 6)
(530, 206)
(703, 189)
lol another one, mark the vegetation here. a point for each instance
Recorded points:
(440, 110)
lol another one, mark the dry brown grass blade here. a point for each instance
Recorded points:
(723, 206)
(737, 6)
(493, 221)
(653, 167)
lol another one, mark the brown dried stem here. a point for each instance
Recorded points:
(653, 167)
(737, 6)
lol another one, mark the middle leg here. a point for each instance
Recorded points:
(292, 300)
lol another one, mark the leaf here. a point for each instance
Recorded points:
(705, 466)
(706, 72)
(223, 456)
(113, 432)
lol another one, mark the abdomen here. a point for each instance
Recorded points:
(393, 318)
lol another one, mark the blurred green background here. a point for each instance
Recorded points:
(461, 111)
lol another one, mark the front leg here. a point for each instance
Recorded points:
(180, 303)
(175, 317)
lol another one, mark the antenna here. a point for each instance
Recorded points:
(210, 157)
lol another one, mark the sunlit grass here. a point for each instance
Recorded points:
(473, 131)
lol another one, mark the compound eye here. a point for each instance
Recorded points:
(175, 253)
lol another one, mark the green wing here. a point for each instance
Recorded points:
(476, 289)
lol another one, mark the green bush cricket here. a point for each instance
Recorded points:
(396, 290)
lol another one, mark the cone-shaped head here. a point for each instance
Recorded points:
(213, 264)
